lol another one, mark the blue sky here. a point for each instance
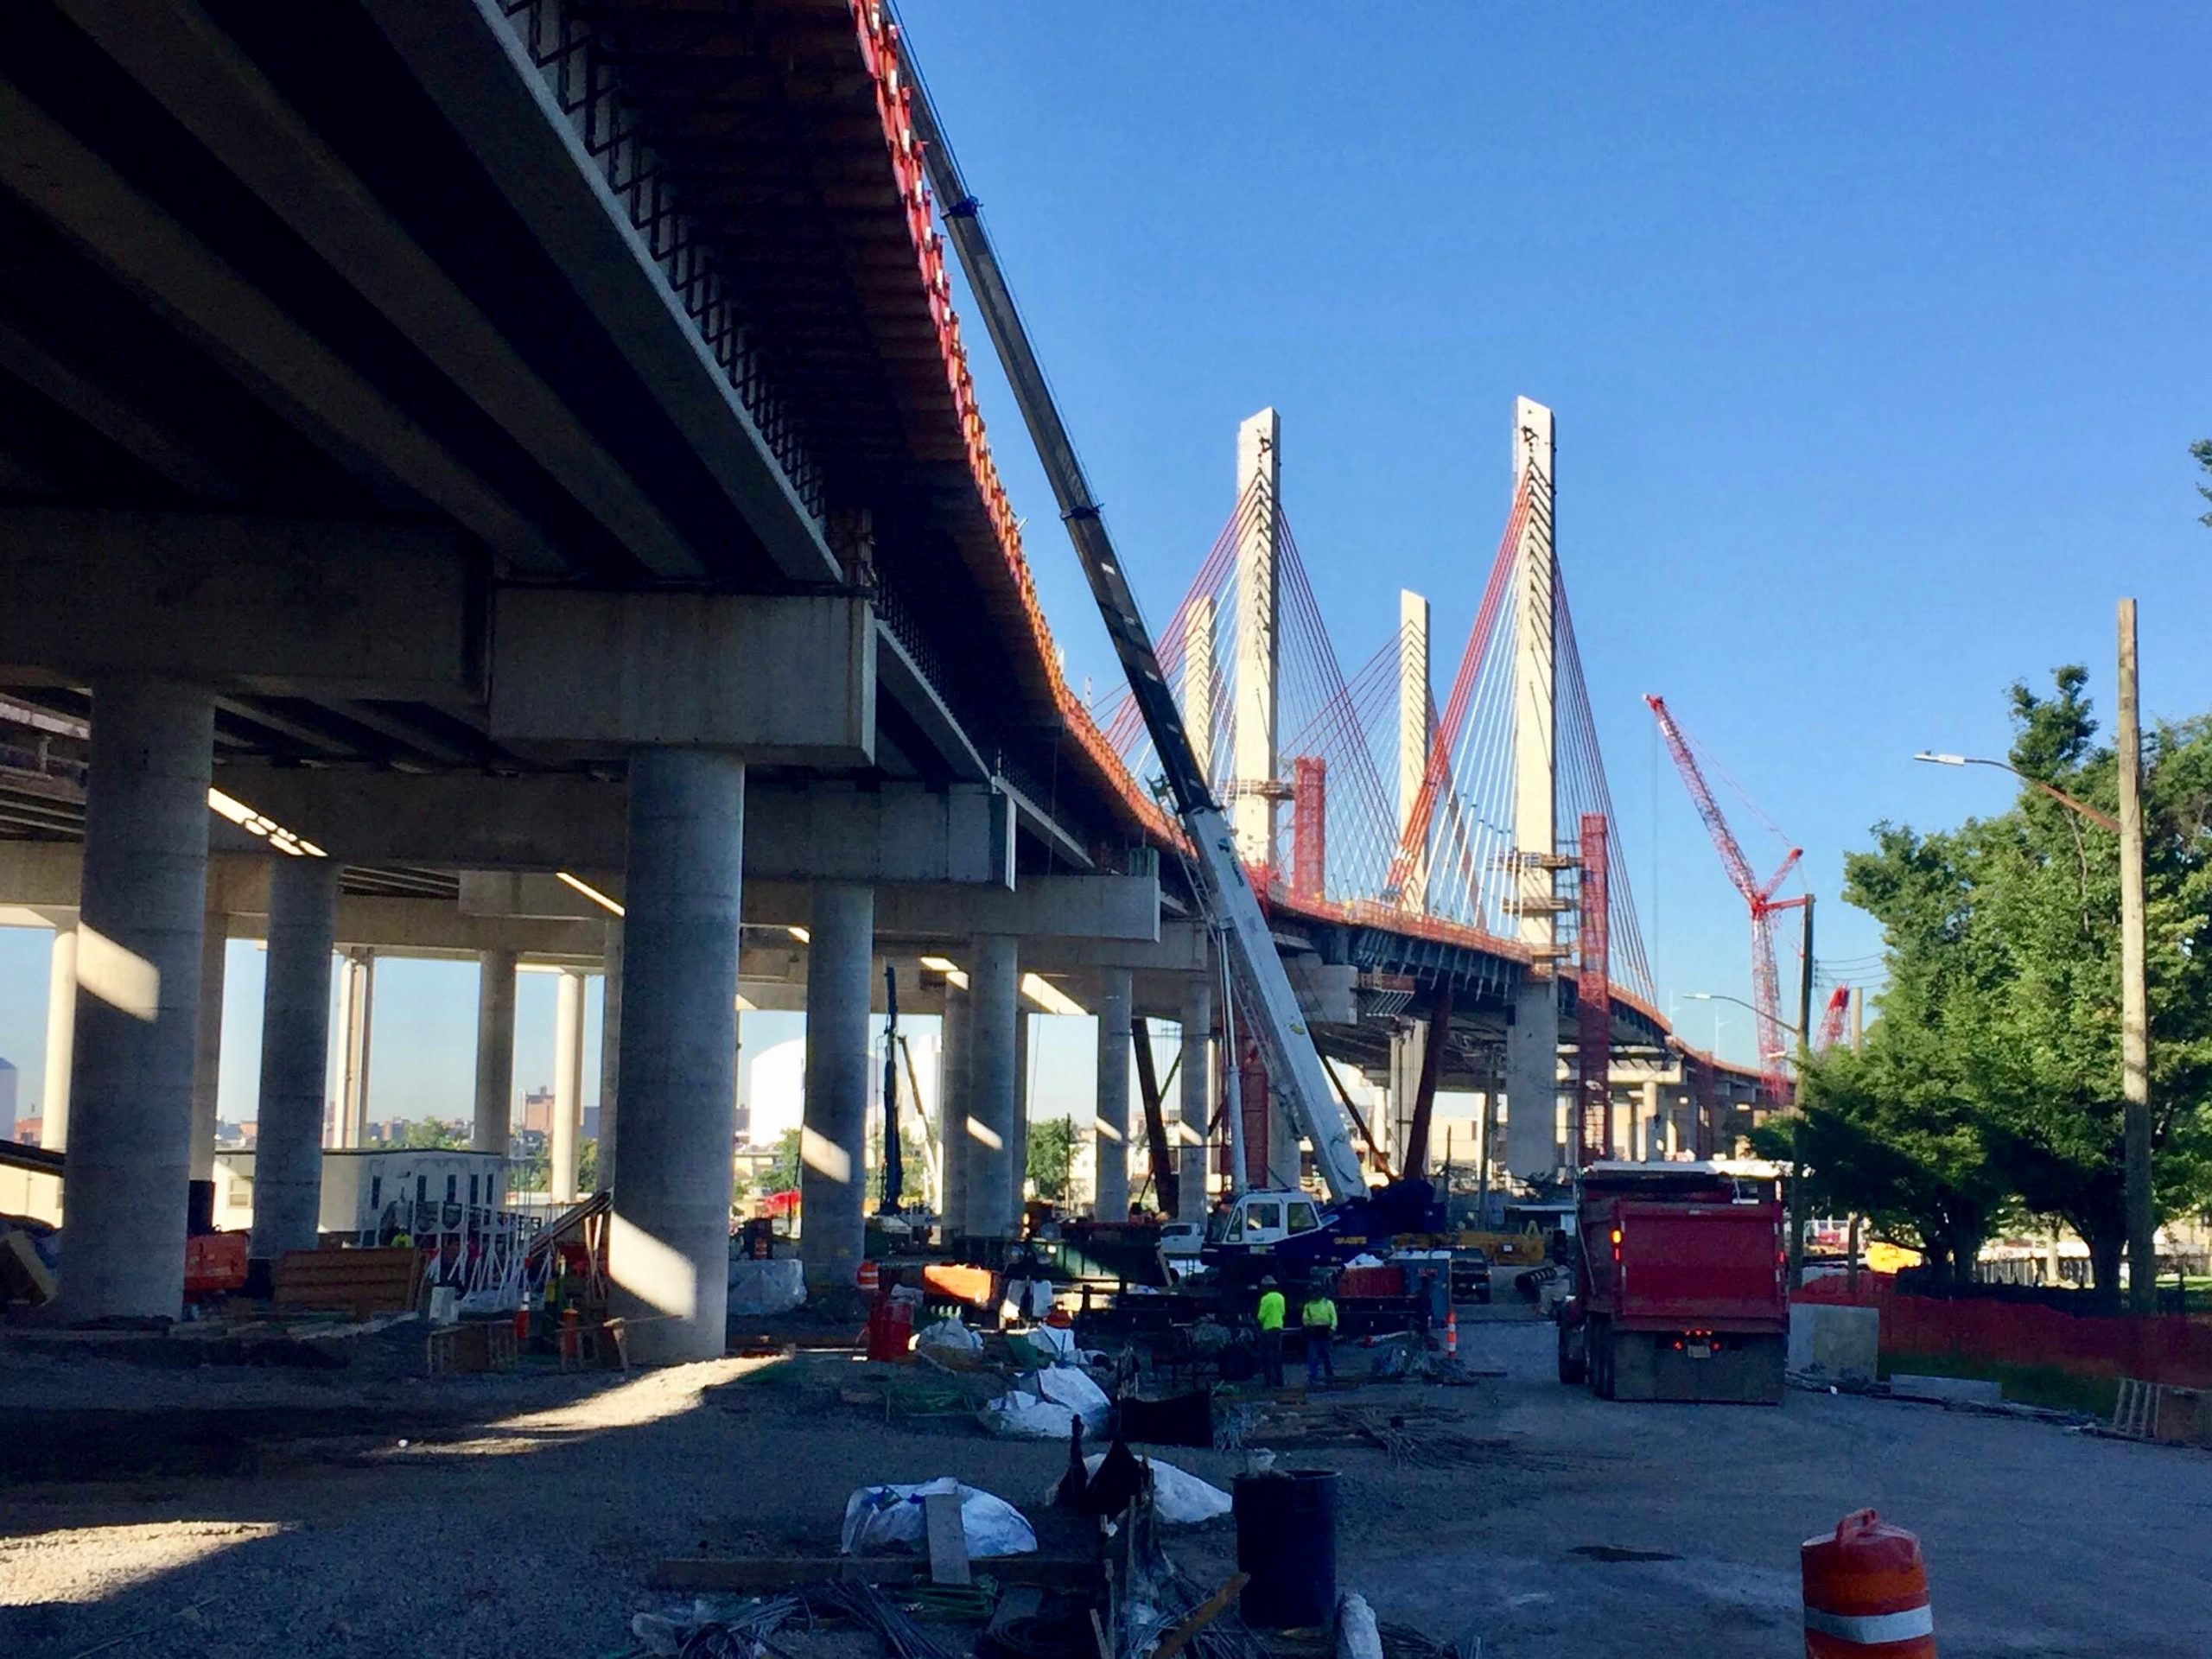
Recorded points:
(1877, 335)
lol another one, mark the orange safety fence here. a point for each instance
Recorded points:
(2152, 1348)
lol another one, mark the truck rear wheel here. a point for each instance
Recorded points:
(1573, 1359)
(1601, 1359)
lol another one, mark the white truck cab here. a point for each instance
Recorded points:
(1258, 1220)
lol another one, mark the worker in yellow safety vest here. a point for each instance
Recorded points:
(1319, 1319)
(1271, 1311)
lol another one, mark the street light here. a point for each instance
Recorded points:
(1723, 996)
(2134, 1004)
(2093, 814)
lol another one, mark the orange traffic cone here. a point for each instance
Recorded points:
(1451, 1333)
(1866, 1593)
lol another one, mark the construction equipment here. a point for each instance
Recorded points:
(1758, 895)
(1231, 910)
(894, 1174)
(1678, 1288)
(1832, 1019)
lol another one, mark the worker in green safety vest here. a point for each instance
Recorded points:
(1271, 1311)
(1319, 1319)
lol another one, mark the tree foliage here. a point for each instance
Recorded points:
(1052, 1156)
(2201, 452)
(1991, 1085)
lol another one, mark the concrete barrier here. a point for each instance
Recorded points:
(1833, 1341)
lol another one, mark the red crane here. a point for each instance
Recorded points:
(1759, 896)
(1832, 1019)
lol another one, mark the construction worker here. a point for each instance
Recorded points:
(1271, 1311)
(1319, 1319)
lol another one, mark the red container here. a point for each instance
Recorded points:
(1354, 1284)
(890, 1328)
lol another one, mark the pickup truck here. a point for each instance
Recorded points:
(1679, 1287)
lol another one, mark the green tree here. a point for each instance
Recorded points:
(427, 1132)
(2202, 451)
(1991, 1083)
(1052, 1156)
(782, 1174)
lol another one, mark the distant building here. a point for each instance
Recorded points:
(538, 1111)
(8, 1080)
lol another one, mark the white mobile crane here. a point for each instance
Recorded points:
(1231, 910)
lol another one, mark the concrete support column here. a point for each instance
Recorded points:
(60, 1038)
(357, 1013)
(1409, 1045)
(833, 1142)
(207, 1043)
(141, 912)
(610, 1053)
(1110, 1132)
(1532, 1082)
(1650, 1144)
(952, 1097)
(295, 1057)
(668, 1249)
(495, 1051)
(567, 1086)
(1198, 1097)
(994, 991)
(1025, 1025)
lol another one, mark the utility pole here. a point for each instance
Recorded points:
(2134, 1016)
(1797, 1108)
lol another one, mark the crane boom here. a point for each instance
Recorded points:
(1231, 908)
(1766, 984)
(1832, 1019)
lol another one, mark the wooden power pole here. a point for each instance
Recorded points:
(2134, 1014)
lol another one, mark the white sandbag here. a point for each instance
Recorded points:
(948, 1335)
(1055, 1340)
(880, 1519)
(1357, 1635)
(757, 1287)
(1364, 1260)
(1180, 1496)
(1020, 1416)
(1064, 1385)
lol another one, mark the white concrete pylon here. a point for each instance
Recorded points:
(144, 910)
(1413, 736)
(61, 1037)
(295, 1057)
(1110, 1131)
(567, 1086)
(668, 1249)
(495, 1051)
(1532, 1040)
(207, 1047)
(1259, 495)
(833, 1153)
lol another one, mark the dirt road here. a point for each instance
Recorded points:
(522, 1514)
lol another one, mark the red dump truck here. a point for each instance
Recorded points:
(1678, 1288)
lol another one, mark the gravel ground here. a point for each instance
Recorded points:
(523, 1513)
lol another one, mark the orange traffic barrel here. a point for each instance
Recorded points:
(866, 1278)
(1866, 1593)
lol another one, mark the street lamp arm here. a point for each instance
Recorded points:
(2095, 815)
(1722, 996)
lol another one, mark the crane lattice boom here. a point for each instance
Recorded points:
(1757, 896)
